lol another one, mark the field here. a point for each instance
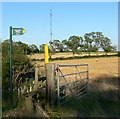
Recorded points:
(97, 66)
(66, 55)
(102, 99)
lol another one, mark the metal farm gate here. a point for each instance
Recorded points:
(72, 80)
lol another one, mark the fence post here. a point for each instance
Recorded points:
(29, 104)
(36, 77)
(46, 53)
(50, 85)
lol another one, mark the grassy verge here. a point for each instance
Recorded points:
(102, 101)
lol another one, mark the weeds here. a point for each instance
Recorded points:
(102, 101)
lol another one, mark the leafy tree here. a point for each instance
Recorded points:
(97, 37)
(81, 46)
(88, 42)
(34, 48)
(41, 48)
(52, 49)
(21, 47)
(56, 45)
(73, 43)
(65, 47)
(59, 45)
(114, 48)
(106, 45)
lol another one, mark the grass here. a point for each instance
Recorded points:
(102, 97)
(102, 101)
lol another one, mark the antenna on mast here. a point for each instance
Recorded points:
(51, 24)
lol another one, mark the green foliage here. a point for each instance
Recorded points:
(73, 43)
(52, 49)
(106, 45)
(33, 48)
(90, 42)
(20, 62)
(41, 48)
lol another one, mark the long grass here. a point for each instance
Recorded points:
(102, 101)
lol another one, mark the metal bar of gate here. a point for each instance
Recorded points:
(58, 87)
(65, 65)
(65, 80)
(72, 74)
(74, 86)
(70, 82)
(69, 98)
(75, 93)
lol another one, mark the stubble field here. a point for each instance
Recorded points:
(102, 99)
(98, 67)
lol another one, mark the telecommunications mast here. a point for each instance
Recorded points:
(51, 24)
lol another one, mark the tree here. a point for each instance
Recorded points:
(88, 42)
(21, 47)
(114, 48)
(52, 49)
(81, 46)
(73, 43)
(34, 48)
(65, 47)
(106, 45)
(97, 37)
(59, 45)
(41, 48)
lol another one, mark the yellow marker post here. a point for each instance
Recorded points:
(46, 53)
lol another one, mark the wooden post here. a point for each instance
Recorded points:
(50, 85)
(29, 103)
(36, 77)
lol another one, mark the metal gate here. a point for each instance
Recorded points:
(72, 80)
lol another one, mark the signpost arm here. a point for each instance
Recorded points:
(11, 87)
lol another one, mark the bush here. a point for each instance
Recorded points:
(20, 62)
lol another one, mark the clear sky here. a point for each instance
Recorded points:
(69, 18)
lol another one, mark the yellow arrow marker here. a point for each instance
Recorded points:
(23, 31)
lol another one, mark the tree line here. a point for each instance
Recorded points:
(90, 42)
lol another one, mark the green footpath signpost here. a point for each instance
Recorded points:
(18, 31)
(13, 31)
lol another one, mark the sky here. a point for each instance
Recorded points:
(68, 18)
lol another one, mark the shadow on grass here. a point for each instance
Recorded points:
(101, 101)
